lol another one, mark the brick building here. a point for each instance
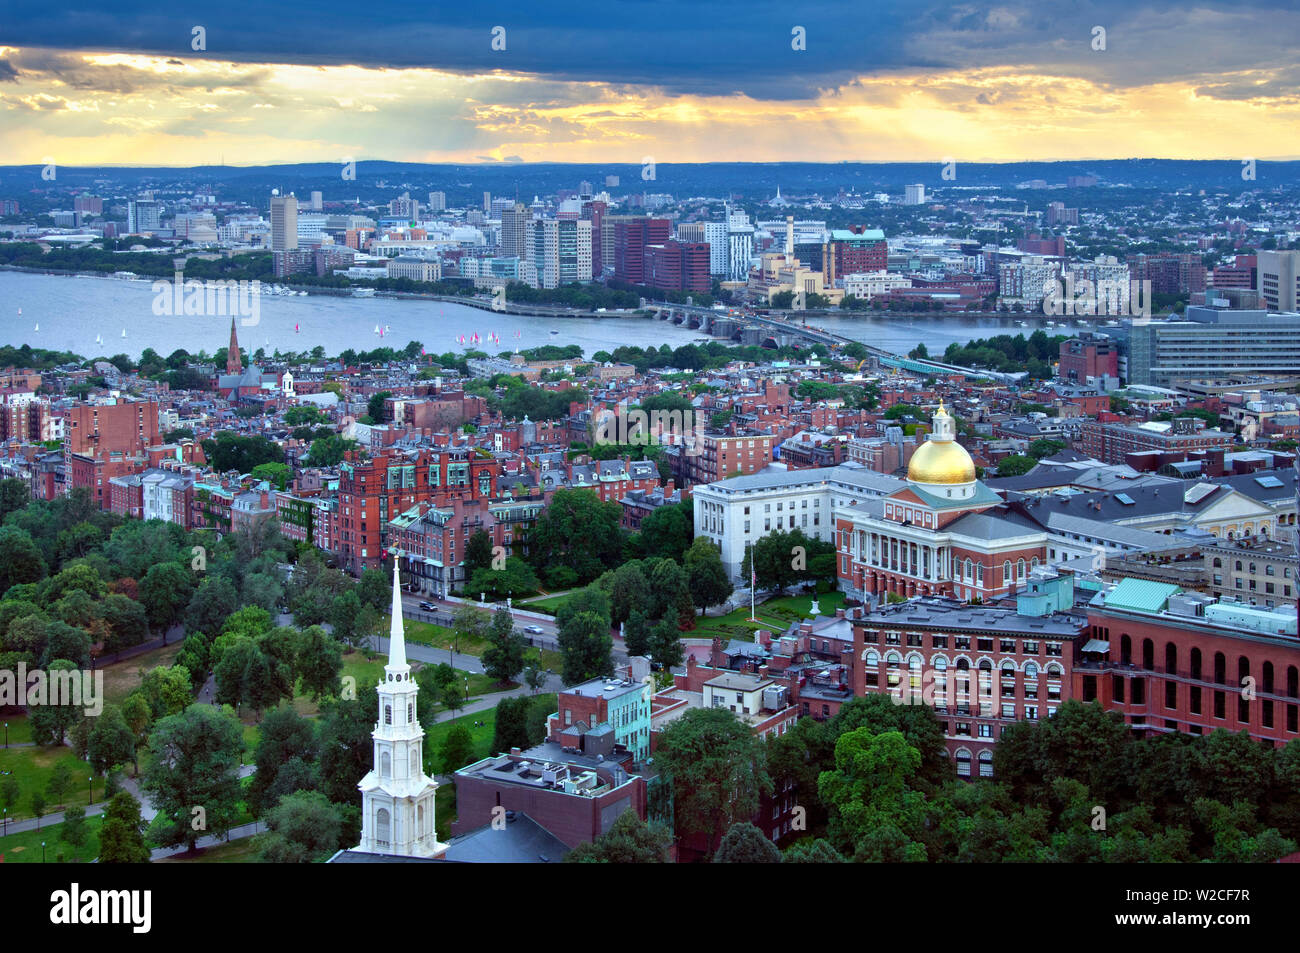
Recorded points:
(1113, 442)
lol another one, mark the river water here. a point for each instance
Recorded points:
(72, 311)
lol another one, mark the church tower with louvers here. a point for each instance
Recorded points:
(396, 795)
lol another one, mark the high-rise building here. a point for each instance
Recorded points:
(284, 223)
(143, 215)
(514, 231)
(678, 266)
(714, 234)
(1058, 214)
(561, 251)
(1210, 342)
(91, 204)
(855, 250)
(487, 202)
(594, 212)
(740, 246)
(1279, 279)
(317, 202)
(437, 201)
(914, 194)
(630, 240)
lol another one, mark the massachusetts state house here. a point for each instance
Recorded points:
(944, 533)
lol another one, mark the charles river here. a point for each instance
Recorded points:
(71, 312)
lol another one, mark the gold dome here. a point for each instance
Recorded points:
(941, 461)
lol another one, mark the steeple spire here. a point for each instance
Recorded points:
(233, 364)
(396, 633)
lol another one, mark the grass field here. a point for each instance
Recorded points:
(426, 633)
(25, 848)
(550, 604)
(121, 677)
(775, 615)
(240, 851)
(20, 731)
(33, 767)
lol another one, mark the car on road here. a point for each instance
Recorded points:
(428, 606)
(534, 629)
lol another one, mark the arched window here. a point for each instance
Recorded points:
(939, 663)
(1020, 569)
(1009, 668)
(388, 714)
(871, 659)
(1292, 681)
(415, 764)
(381, 826)
(1033, 564)
(979, 574)
(967, 570)
(1268, 678)
(892, 659)
(385, 765)
(1054, 671)
(986, 764)
(1148, 654)
(1125, 650)
(410, 712)
(1218, 563)
(1171, 658)
(1031, 670)
(1220, 668)
(1006, 572)
(1196, 664)
(419, 820)
(963, 763)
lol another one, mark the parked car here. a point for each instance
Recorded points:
(534, 629)
(428, 606)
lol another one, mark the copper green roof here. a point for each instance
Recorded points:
(1141, 595)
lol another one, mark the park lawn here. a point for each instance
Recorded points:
(545, 658)
(550, 604)
(20, 729)
(121, 677)
(366, 671)
(33, 767)
(252, 734)
(775, 615)
(481, 735)
(25, 848)
(426, 633)
(242, 851)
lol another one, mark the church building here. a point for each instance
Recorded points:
(397, 796)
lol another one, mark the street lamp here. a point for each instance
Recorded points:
(92, 789)
(42, 852)
(6, 734)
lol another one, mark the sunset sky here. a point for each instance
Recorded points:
(619, 81)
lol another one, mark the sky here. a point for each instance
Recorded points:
(144, 83)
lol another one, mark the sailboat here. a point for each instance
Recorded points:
(295, 329)
(99, 339)
(124, 332)
(376, 329)
(38, 327)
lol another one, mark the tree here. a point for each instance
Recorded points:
(816, 851)
(469, 624)
(746, 844)
(478, 552)
(636, 634)
(375, 406)
(511, 728)
(15, 494)
(138, 718)
(870, 796)
(20, 559)
(276, 474)
(121, 839)
(670, 590)
(193, 760)
(715, 768)
(1015, 465)
(111, 740)
(629, 840)
(305, 828)
(74, 828)
(346, 744)
(666, 643)
(328, 451)
(284, 735)
(37, 802)
(343, 616)
(583, 636)
(534, 678)
(210, 606)
(59, 783)
(1044, 447)
(628, 589)
(318, 662)
(515, 579)
(165, 591)
(457, 749)
(579, 532)
(503, 659)
(10, 791)
(706, 576)
(50, 723)
(166, 690)
(127, 622)
(667, 531)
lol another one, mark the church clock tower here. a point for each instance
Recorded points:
(397, 796)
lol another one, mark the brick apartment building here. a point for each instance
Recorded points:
(1086, 356)
(1113, 442)
(721, 455)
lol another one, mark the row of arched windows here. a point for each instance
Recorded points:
(1219, 664)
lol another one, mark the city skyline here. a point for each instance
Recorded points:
(692, 84)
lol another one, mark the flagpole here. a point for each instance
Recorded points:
(753, 582)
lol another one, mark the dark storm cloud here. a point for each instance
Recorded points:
(691, 47)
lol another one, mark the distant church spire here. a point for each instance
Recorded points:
(396, 631)
(233, 364)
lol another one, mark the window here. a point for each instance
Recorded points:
(388, 714)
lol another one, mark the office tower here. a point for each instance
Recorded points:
(713, 234)
(740, 246)
(594, 212)
(611, 181)
(584, 189)
(284, 223)
(143, 215)
(1279, 279)
(437, 201)
(914, 195)
(1058, 214)
(631, 237)
(91, 204)
(487, 203)
(514, 231)
(678, 266)
(855, 250)
(317, 202)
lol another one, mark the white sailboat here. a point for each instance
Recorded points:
(38, 327)
(99, 339)
(124, 332)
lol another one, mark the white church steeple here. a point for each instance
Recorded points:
(397, 796)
